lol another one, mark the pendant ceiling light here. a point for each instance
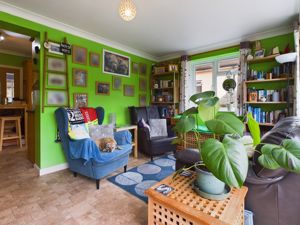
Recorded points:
(127, 10)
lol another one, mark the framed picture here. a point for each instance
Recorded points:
(128, 90)
(116, 64)
(94, 59)
(53, 48)
(56, 64)
(79, 77)
(102, 88)
(143, 85)
(80, 100)
(116, 83)
(135, 68)
(56, 98)
(79, 55)
(143, 69)
(143, 100)
(56, 80)
(259, 54)
(173, 68)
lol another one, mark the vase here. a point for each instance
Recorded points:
(208, 183)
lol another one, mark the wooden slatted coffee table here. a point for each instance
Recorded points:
(183, 206)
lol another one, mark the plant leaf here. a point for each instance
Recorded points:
(197, 98)
(254, 129)
(176, 141)
(207, 112)
(226, 123)
(209, 102)
(288, 155)
(227, 160)
(190, 111)
(185, 124)
(266, 159)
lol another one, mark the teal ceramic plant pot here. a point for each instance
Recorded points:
(208, 183)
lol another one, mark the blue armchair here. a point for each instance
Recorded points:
(84, 157)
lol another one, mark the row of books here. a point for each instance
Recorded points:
(266, 117)
(276, 72)
(273, 95)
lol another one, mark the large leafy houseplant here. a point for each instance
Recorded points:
(225, 157)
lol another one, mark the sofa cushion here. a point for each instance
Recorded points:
(158, 128)
(78, 132)
(89, 115)
(101, 131)
(74, 116)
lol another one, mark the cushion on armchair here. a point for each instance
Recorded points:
(78, 132)
(158, 128)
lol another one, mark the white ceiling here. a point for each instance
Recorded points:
(15, 44)
(164, 28)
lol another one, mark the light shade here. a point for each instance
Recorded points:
(127, 10)
(285, 58)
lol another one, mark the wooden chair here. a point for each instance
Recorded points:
(10, 136)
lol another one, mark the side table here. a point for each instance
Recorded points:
(183, 206)
(135, 137)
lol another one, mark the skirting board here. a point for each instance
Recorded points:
(52, 169)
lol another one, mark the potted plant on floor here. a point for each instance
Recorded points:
(223, 161)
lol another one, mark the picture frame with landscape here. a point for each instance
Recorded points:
(116, 64)
(143, 85)
(135, 68)
(142, 100)
(80, 100)
(79, 55)
(128, 90)
(79, 77)
(56, 64)
(102, 88)
(116, 83)
(94, 59)
(143, 69)
(56, 80)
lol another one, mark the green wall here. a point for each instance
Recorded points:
(50, 153)
(215, 53)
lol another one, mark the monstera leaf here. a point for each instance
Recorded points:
(185, 124)
(208, 108)
(254, 129)
(266, 159)
(197, 98)
(227, 160)
(190, 111)
(226, 123)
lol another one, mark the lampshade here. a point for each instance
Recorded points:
(127, 10)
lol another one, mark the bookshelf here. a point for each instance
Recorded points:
(165, 89)
(268, 90)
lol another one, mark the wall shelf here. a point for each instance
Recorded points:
(265, 103)
(269, 58)
(268, 80)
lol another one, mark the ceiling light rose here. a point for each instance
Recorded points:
(127, 10)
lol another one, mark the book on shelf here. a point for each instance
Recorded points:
(281, 95)
(163, 84)
(281, 71)
(270, 117)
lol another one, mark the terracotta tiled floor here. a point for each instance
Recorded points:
(60, 198)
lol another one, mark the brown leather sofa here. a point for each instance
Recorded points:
(273, 195)
(156, 145)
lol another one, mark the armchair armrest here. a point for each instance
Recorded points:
(252, 178)
(144, 133)
(123, 137)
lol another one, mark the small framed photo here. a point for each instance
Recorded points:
(128, 90)
(79, 77)
(80, 100)
(135, 68)
(53, 48)
(173, 68)
(56, 64)
(143, 69)
(56, 98)
(143, 85)
(143, 100)
(94, 59)
(259, 54)
(79, 55)
(102, 88)
(56, 80)
(116, 83)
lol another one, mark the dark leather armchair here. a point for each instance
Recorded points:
(273, 195)
(151, 146)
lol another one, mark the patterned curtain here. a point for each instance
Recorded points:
(297, 71)
(183, 83)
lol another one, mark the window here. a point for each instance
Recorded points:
(210, 75)
(10, 86)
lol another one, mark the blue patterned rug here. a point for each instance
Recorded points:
(138, 179)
